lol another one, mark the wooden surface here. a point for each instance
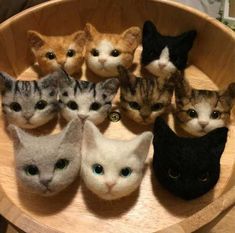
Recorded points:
(150, 208)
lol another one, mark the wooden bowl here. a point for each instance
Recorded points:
(151, 208)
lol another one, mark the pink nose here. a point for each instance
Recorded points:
(161, 65)
(203, 123)
(110, 184)
(102, 60)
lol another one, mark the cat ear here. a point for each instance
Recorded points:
(141, 144)
(110, 86)
(90, 31)
(126, 78)
(186, 40)
(51, 80)
(80, 38)
(63, 78)
(6, 81)
(72, 133)
(229, 94)
(35, 40)
(132, 37)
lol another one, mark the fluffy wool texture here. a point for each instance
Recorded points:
(111, 168)
(144, 99)
(53, 52)
(104, 52)
(86, 100)
(163, 55)
(48, 164)
(29, 104)
(201, 111)
(187, 167)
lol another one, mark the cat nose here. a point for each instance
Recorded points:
(161, 65)
(82, 116)
(102, 60)
(28, 115)
(110, 184)
(45, 182)
(203, 123)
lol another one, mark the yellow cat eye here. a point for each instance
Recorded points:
(50, 55)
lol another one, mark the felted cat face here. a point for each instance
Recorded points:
(163, 55)
(110, 168)
(143, 99)
(86, 100)
(105, 51)
(187, 167)
(201, 111)
(48, 164)
(53, 52)
(29, 104)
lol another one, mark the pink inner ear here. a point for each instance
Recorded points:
(36, 42)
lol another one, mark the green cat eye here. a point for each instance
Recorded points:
(204, 177)
(125, 172)
(157, 107)
(98, 169)
(215, 114)
(61, 164)
(50, 55)
(70, 53)
(95, 106)
(72, 105)
(134, 105)
(173, 173)
(95, 52)
(115, 53)
(15, 106)
(41, 104)
(31, 170)
(192, 113)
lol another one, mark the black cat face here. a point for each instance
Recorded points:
(187, 167)
(155, 44)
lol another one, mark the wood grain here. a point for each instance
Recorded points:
(151, 208)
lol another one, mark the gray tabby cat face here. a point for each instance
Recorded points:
(144, 99)
(48, 164)
(86, 100)
(201, 111)
(29, 104)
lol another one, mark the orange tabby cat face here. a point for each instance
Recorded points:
(53, 52)
(104, 52)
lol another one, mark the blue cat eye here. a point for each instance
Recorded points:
(31, 170)
(98, 169)
(125, 172)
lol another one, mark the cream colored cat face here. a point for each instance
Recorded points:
(111, 168)
(104, 52)
(53, 52)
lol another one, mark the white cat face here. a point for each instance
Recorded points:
(48, 164)
(203, 119)
(110, 168)
(104, 59)
(162, 67)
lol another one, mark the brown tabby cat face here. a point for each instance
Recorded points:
(104, 52)
(53, 52)
(144, 99)
(201, 111)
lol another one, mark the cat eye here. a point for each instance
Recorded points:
(125, 172)
(70, 53)
(157, 107)
(61, 164)
(50, 55)
(115, 53)
(41, 104)
(15, 106)
(192, 113)
(95, 52)
(203, 177)
(72, 105)
(95, 106)
(173, 173)
(215, 114)
(31, 170)
(134, 105)
(98, 169)
(65, 93)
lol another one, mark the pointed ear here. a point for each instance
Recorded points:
(149, 28)
(72, 133)
(52, 80)
(142, 144)
(126, 78)
(35, 39)
(132, 37)
(229, 94)
(111, 86)
(90, 136)
(63, 78)
(80, 38)
(6, 81)
(90, 31)
(187, 39)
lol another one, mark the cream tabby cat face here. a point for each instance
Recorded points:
(105, 51)
(201, 111)
(111, 168)
(48, 164)
(53, 52)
